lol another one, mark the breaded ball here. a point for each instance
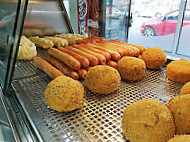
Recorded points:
(102, 79)
(185, 89)
(131, 68)
(180, 108)
(179, 71)
(148, 120)
(154, 58)
(64, 94)
(180, 138)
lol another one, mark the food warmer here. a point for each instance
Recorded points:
(25, 116)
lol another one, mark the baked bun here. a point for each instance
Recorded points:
(154, 58)
(179, 71)
(64, 94)
(180, 138)
(131, 68)
(148, 120)
(102, 79)
(180, 108)
(185, 89)
(27, 49)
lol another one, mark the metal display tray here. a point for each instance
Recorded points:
(100, 117)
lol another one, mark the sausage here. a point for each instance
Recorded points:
(120, 51)
(87, 40)
(106, 54)
(112, 64)
(61, 66)
(82, 73)
(127, 51)
(100, 38)
(65, 58)
(101, 58)
(83, 60)
(93, 60)
(89, 68)
(47, 67)
(114, 54)
(135, 50)
(84, 41)
(141, 48)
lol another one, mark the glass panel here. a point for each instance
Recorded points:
(11, 21)
(116, 19)
(184, 48)
(7, 18)
(154, 23)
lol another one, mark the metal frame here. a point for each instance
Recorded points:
(178, 31)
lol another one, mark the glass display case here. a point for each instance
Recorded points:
(22, 84)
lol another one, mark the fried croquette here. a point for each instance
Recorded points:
(154, 58)
(179, 71)
(180, 108)
(131, 68)
(185, 89)
(148, 120)
(102, 79)
(180, 138)
(64, 94)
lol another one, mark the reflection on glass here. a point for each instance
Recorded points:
(154, 23)
(183, 48)
(7, 19)
(116, 19)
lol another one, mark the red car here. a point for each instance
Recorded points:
(165, 24)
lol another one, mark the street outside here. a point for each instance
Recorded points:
(165, 41)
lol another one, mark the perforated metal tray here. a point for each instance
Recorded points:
(100, 118)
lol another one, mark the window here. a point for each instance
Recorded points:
(172, 16)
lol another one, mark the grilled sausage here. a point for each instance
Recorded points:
(65, 58)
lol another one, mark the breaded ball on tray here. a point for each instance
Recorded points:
(64, 94)
(180, 108)
(179, 71)
(180, 138)
(185, 89)
(102, 79)
(131, 68)
(154, 58)
(148, 120)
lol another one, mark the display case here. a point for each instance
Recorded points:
(23, 84)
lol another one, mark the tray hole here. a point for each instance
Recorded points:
(118, 129)
(88, 129)
(106, 131)
(95, 136)
(92, 133)
(110, 123)
(109, 135)
(105, 137)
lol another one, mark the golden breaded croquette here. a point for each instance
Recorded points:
(102, 79)
(154, 58)
(64, 94)
(180, 108)
(178, 71)
(42, 42)
(185, 89)
(131, 68)
(148, 120)
(180, 138)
